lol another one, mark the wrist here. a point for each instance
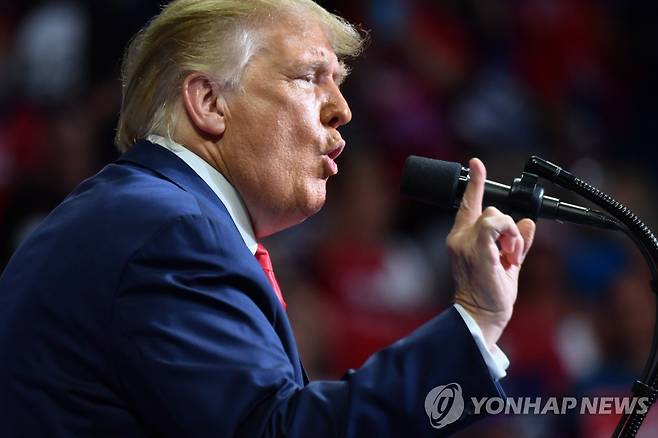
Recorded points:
(491, 324)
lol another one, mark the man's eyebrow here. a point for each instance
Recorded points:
(341, 73)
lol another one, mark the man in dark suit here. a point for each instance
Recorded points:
(144, 305)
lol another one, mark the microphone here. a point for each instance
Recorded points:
(443, 183)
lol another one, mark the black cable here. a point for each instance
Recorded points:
(649, 369)
(645, 240)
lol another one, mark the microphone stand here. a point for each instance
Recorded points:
(644, 239)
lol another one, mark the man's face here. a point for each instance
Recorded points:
(281, 135)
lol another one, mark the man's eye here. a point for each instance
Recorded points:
(307, 78)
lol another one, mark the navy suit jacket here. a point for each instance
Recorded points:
(135, 309)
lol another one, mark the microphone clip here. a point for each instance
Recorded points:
(526, 196)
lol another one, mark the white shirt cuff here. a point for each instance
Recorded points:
(496, 360)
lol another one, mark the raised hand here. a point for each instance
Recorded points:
(487, 249)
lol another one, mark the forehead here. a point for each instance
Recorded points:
(293, 42)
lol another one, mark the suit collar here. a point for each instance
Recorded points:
(167, 165)
(227, 194)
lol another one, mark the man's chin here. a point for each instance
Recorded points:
(311, 206)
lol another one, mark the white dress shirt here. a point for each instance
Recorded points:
(496, 360)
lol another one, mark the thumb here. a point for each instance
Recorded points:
(527, 229)
(471, 205)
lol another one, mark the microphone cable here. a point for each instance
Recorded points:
(630, 423)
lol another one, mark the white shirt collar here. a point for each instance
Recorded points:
(220, 185)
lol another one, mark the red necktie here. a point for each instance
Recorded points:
(263, 258)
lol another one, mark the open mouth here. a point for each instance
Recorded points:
(334, 153)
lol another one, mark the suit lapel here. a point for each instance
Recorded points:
(304, 375)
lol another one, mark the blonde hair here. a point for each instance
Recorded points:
(215, 37)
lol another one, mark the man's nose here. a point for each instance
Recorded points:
(336, 112)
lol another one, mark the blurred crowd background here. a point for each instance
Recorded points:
(573, 81)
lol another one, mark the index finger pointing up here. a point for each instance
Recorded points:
(471, 206)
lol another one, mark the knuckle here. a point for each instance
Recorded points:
(485, 223)
(491, 211)
(514, 229)
(465, 204)
(454, 241)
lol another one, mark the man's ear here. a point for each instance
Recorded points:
(203, 104)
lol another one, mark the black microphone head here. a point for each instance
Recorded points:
(431, 181)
